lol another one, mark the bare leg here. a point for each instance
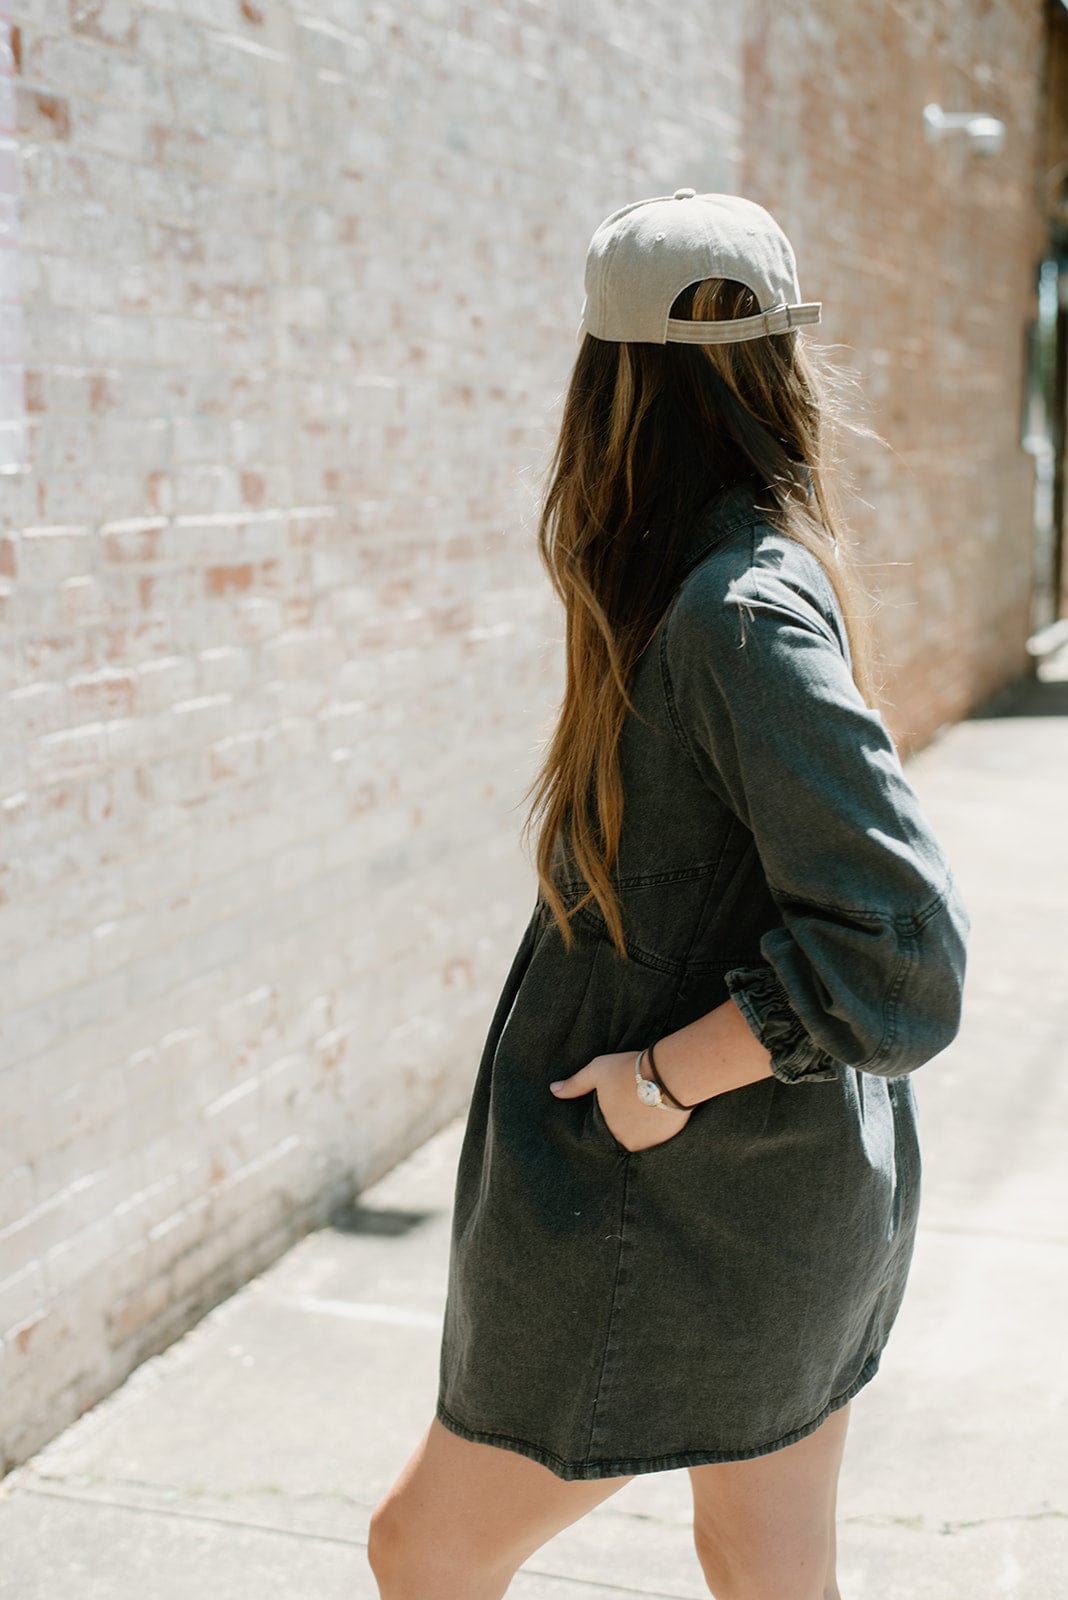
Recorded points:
(765, 1529)
(461, 1518)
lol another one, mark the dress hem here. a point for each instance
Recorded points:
(617, 1467)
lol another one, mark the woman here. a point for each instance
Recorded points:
(688, 1188)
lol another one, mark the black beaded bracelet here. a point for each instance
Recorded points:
(680, 1105)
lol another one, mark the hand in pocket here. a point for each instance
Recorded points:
(633, 1125)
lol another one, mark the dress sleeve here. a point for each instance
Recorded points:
(866, 968)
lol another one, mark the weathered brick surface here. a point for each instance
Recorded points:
(925, 256)
(298, 293)
(287, 304)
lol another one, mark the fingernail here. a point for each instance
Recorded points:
(555, 1086)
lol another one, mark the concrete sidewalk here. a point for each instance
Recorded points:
(243, 1463)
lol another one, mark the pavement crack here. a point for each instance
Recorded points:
(188, 1515)
(917, 1523)
(963, 1524)
(88, 1486)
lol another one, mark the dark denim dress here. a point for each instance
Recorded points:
(715, 1297)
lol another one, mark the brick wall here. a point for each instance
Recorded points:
(295, 292)
(299, 289)
(924, 255)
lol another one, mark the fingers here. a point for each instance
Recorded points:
(580, 1082)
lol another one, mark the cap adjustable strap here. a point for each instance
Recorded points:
(731, 330)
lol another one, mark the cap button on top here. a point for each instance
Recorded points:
(684, 194)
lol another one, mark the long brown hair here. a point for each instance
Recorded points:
(649, 433)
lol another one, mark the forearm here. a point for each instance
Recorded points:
(717, 1052)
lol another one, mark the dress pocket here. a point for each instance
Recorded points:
(599, 1128)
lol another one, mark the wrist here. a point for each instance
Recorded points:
(651, 1090)
(716, 1053)
(667, 1094)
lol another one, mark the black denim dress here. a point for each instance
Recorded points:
(715, 1297)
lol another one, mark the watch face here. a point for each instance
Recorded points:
(648, 1093)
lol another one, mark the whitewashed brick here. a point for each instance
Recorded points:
(111, 691)
(43, 971)
(48, 555)
(21, 1296)
(81, 1253)
(83, 603)
(16, 1195)
(66, 753)
(112, 945)
(202, 718)
(45, 1225)
(164, 681)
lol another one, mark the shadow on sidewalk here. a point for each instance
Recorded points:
(1041, 693)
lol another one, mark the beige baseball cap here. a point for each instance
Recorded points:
(643, 256)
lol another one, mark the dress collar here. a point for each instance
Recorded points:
(738, 505)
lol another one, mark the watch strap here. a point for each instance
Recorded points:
(678, 1105)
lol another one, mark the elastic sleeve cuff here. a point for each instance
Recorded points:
(760, 997)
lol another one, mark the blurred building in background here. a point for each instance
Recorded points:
(288, 300)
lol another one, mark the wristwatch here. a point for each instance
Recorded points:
(648, 1092)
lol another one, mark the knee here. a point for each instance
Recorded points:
(409, 1564)
(394, 1554)
(736, 1574)
(724, 1578)
(383, 1539)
